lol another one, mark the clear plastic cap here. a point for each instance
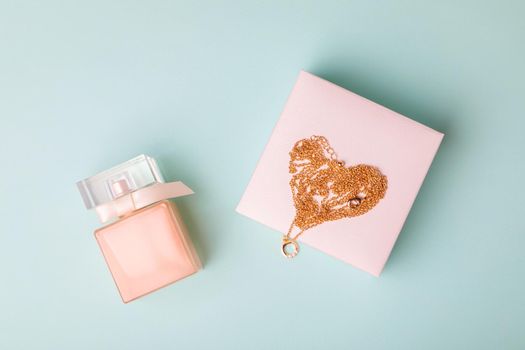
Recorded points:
(137, 173)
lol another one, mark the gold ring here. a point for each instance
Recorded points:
(289, 243)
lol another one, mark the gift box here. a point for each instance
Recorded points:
(360, 132)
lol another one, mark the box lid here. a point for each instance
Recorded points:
(361, 132)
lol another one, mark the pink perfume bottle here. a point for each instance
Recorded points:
(144, 241)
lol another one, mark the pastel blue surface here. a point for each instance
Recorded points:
(200, 85)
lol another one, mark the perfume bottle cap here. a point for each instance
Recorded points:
(125, 178)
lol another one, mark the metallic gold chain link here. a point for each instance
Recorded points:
(323, 189)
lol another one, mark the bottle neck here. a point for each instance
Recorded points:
(141, 198)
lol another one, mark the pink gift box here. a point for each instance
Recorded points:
(361, 132)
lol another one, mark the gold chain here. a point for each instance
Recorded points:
(323, 189)
(324, 143)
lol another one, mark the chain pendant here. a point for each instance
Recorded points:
(324, 189)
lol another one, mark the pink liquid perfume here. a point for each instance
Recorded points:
(144, 241)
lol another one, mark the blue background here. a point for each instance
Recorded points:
(85, 85)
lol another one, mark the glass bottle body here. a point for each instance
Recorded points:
(147, 249)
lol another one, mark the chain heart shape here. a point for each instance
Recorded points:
(324, 189)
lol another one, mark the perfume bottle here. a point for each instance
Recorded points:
(144, 241)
